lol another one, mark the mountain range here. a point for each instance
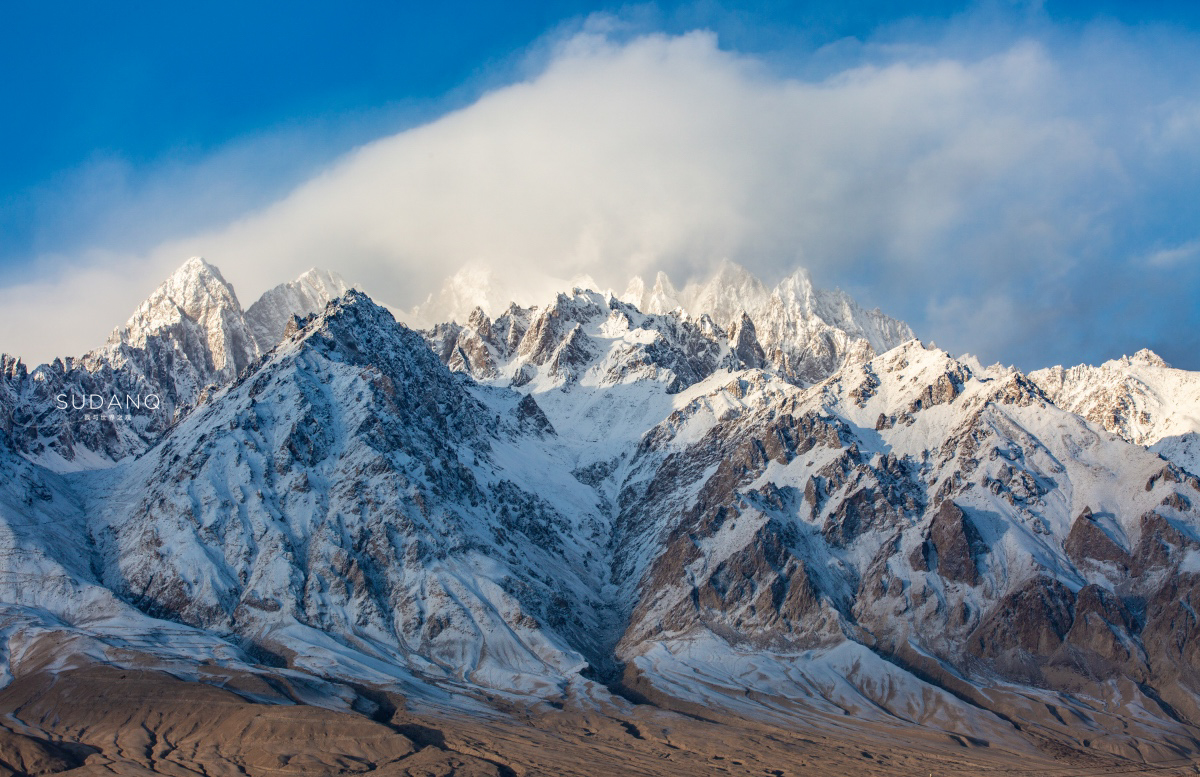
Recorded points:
(729, 527)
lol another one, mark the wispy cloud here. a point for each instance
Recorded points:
(1167, 258)
(1005, 185)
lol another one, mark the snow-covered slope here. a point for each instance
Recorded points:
(1139, 397)
(515, 506)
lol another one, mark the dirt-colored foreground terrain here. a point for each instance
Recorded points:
(102, 721)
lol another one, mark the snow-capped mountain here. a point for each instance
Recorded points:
(1141, 398)
(802, 334)
(190, 335)
(569, 501)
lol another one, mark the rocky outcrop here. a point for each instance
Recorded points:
(956, 543)
(1089, 543)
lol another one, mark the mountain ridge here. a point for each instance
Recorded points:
(568, 505)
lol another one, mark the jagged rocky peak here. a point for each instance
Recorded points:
(801, 333)
(806, 333)
(1139, 397)
(195, 297)
(269, 316)
(1145, 358)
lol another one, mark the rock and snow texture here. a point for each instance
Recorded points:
(189, 336)
(269, 317)
(197, 313)
(953, 521)
(802, 333)
(583, 489)
(1140, 398)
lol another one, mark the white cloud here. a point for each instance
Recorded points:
(920, 179)
(1175, 255)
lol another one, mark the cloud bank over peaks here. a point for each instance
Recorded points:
(985, 199)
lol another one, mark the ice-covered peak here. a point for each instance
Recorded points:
(195, 290)
(310, 293)
(1139, 397)
(1144, 358)
(796, 288)
(196, 296)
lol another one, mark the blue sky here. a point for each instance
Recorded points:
(136, 130)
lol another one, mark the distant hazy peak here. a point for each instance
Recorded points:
(662, 297)
(479, 287)
(729, 292)
(268, 317)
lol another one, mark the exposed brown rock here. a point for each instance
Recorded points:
(1088, 542)
(1029, 622)
(1159, 543)
(918, 559)
(942, 391)
(957, 542)
(743, 341)
(1102, 631)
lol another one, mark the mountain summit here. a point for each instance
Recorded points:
(804, 334)
(197, 311)
(189, 335)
